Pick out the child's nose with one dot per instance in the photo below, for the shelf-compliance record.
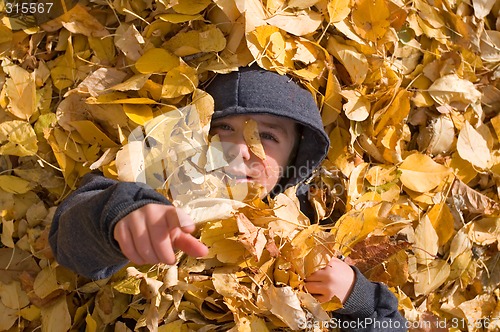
(239, 149)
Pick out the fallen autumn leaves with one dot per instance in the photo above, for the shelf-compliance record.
(408, 91)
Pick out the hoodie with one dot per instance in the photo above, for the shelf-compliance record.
(81, 234)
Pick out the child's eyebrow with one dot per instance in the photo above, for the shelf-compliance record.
(274, 126)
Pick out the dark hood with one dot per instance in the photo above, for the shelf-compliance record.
(253, 90)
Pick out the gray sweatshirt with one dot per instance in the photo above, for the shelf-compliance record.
(82, 229)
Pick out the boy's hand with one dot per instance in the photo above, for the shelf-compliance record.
(337, 278)
(150, 234)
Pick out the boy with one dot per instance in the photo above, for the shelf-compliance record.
(116, 222)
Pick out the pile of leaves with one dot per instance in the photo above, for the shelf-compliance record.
(408, 93)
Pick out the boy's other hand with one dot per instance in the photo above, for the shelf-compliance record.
(150, 234)
(336, 279)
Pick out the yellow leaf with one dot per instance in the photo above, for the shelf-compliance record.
(91, 324)
(69, 146)
(303, 242)
(356, 182)
(485, 231)
(357, 107)
(495, 122)
(184, 43)
(288, 209)
(254, 14)
(273, 6)
(473, 200)
(226, 283)
(204, 104)
(21, 91)
(420, 173)
(472, 147)
(478, 308)
(251, 323)
(5, 34)
(66, 164)
(443, 222)
(109, 304)
(252, 139)
(130, 285)
(179, 82)
(490, 45)
(332, 103)
(135, 82)
(208, 39)
(212, 39)
(100, 80)
(104, 49)
(140, 114)
(63, 72)
(302, 3)
(439, 136)
(426, 241)
(252, 237)
(7, 233)
(338, 152)
(463, 169)
(482, 8)
(429, 277)
(179, 18)
(380, 175)
(56, 316)
(354, 61)
(46, 282)
(268, 45)
(430, 14)
(397, 111)
(13, 296)
(15, 185)
(176, 326)
(191, 7)
(321, 253)
(17, 138)
(13, 262)
(111, 98)
(314, 307)
(8, 317)
(371, 19)
(353, 227)
(30, 312)
(430, 31)
(156, 60)
(460, 244)
(332, 305)
(92, 134)
(451, 88)
(284, 304)
(229, 251)
(6, 204)
(79, 21)
(298, 23)
(338, 10)
(215, 231)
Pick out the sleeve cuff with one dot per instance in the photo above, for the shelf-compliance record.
(360, 302)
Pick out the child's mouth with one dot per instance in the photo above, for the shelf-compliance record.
(239, 178)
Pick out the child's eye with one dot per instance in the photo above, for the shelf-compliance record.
(268, 136)
(223, 126)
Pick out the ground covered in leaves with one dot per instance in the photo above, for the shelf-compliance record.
(409, 92)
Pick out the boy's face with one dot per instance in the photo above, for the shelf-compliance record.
(278, 136)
